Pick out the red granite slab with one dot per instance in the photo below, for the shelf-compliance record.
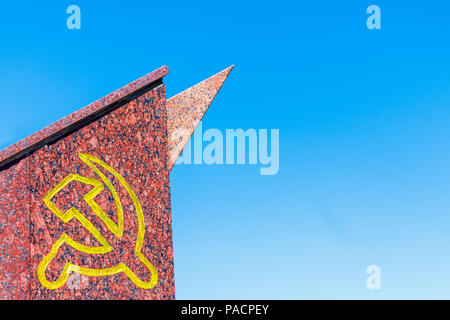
(14, 235)
(111, 157)
(132, 140)
(39, 138)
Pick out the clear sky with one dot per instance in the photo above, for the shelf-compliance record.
(364, 115)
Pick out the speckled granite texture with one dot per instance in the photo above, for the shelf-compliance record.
(186, 109)
(23, 145)
(87, 214)
(132, 140)
(15, 229)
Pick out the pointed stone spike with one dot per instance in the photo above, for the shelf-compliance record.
(186, 109)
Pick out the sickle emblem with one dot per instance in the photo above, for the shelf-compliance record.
(116, 229)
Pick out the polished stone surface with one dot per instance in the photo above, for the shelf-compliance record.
(87, 215)
(132, 140)
(186, 109)
(17, 148)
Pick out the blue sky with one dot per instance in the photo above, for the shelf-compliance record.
(364, 133)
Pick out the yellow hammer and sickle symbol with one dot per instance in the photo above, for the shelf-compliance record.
(116, 229)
